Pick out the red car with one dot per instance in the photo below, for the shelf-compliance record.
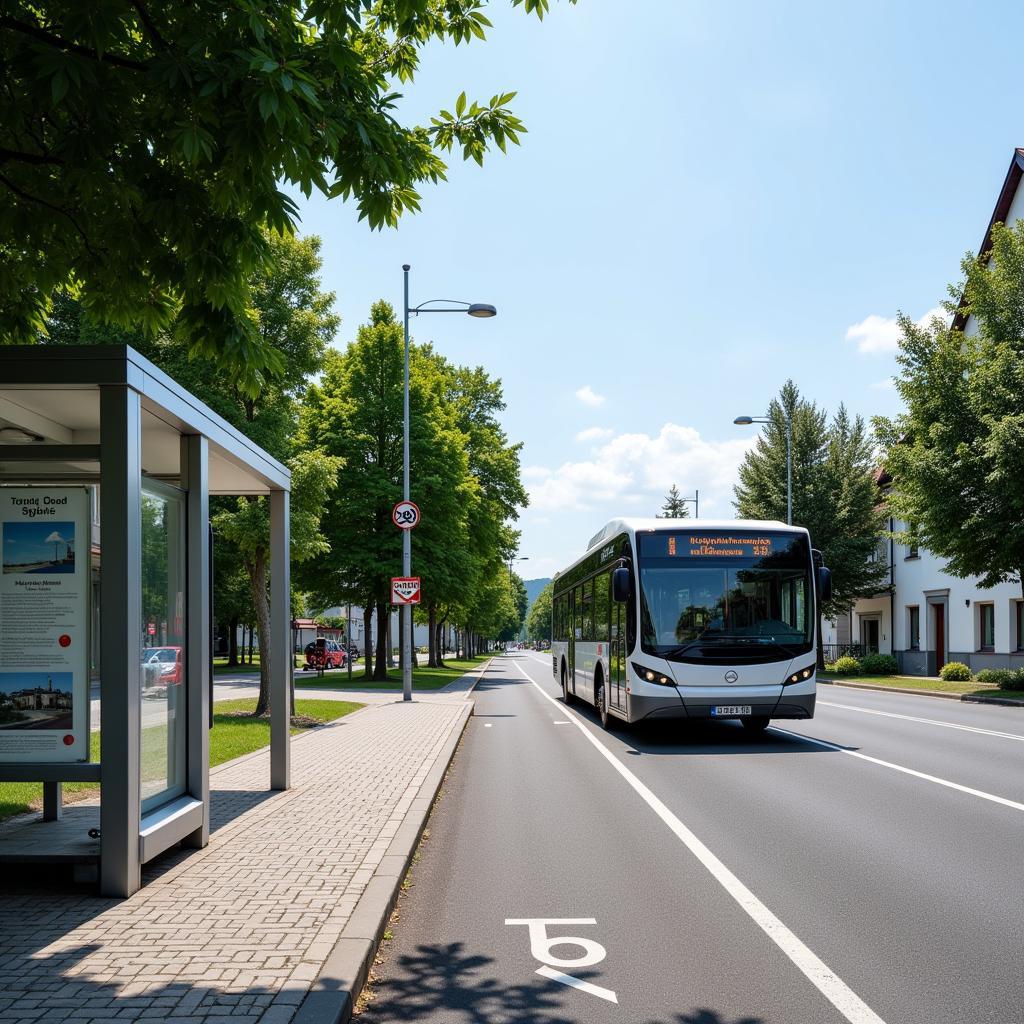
(324, 653)
(161, 666)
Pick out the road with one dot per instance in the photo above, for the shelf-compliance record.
(861, 867)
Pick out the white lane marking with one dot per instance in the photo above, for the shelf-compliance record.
(487, 725)
(583, 986)
(556, 721)
(824, 979)
(926, 721)
(906, 771)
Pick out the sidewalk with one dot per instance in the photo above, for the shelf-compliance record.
(293, 886)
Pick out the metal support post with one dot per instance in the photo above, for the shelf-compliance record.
(120, 638)
(406, 534)
(53, 801)
(789, 469)
(195, 481)
(280, 655)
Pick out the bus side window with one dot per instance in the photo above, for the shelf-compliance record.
(588, 610)
(601, 607)
(577, 613)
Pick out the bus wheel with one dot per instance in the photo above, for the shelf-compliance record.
(566, 695)
(601, 702)
(756, 726)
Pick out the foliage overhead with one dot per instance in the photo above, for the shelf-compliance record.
(144, 147)
(834, 492)
(538, 621)
(956, 456)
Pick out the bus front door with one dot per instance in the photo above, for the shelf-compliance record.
(617, 658)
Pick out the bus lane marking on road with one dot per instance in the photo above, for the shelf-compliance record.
(1015, 805)
(541, 944)
(926, 721)
(824, 979)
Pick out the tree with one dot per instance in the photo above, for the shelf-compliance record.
(956, 456)
(834, 492)
(355, 412)
(295, 319)
(538, 622)
(143, 148)
(675, 505)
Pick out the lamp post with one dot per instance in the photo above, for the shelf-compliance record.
(477, 309)
(745, 421)
(695, 502)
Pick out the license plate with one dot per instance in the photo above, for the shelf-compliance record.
(730, 710)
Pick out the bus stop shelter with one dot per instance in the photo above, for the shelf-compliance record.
(105, 425)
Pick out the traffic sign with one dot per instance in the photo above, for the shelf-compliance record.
(405, 515)
(405, 590)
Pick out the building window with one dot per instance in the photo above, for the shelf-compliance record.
(1018, 618)
(914, 627)
(986, 627)
(912, 546)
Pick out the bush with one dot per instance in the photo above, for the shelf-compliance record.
(955, 672)
(846, 666)
(1001, 677)
(879, 665)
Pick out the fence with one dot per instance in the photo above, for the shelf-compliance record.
(835, 651)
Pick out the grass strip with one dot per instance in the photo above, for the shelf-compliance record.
(234, 733)
(423, 678)
(914, 683)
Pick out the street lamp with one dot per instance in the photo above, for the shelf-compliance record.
(476, 309)
(745, 421)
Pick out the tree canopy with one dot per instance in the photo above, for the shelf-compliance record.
(675, 505)
(956, 456)
(834, 492)
(538, 621)
(145, 147)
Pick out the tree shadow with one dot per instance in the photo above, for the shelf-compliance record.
(445, 982)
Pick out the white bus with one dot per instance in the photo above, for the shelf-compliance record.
(679, 618)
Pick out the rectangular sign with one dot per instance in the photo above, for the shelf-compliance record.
(405, 590)
(44, 624)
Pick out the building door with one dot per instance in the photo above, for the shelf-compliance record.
(940, 636)
(869, 633)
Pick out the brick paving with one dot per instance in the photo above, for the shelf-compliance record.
(234, 933)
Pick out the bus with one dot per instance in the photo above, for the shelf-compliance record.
(691, 619)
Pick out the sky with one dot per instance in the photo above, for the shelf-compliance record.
(713, 197)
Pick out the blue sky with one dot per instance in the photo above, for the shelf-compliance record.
(713, 197)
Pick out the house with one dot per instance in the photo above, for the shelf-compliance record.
(928, 617)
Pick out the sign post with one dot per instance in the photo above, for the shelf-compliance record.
(406, 515)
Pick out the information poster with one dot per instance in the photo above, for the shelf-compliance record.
(44, 624)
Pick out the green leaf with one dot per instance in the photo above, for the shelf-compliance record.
(460, 104)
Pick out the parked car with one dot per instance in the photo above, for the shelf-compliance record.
(161, 666)
(324, 653)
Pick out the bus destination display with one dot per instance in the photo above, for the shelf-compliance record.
(703, 545)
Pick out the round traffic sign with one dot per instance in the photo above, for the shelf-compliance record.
(405, 515)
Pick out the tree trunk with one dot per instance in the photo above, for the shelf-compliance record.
(257, 569)
(401, 639)
(432, 636)
(233, 642)
(380, 673)
(368, 640)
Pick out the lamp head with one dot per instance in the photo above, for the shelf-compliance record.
(743, 421)
(481, 309)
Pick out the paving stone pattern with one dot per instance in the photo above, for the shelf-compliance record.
(236, 932)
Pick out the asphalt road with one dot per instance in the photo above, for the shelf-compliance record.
(860, 867)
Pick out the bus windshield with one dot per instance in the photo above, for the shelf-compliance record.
(711, 595)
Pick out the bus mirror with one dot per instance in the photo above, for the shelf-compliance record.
(620, 584)
(824, 583)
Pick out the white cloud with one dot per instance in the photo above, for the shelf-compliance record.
(54, 538)
(594, 434)
(634, 470)
(882, 333)
(588, 396)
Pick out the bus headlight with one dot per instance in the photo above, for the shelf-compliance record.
(801, 675)
(648, 675)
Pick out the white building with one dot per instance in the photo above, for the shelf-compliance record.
(928, 617)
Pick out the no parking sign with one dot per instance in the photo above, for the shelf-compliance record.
(405, 590)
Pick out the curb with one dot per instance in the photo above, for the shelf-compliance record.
(1006, 702)
(331, 997)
